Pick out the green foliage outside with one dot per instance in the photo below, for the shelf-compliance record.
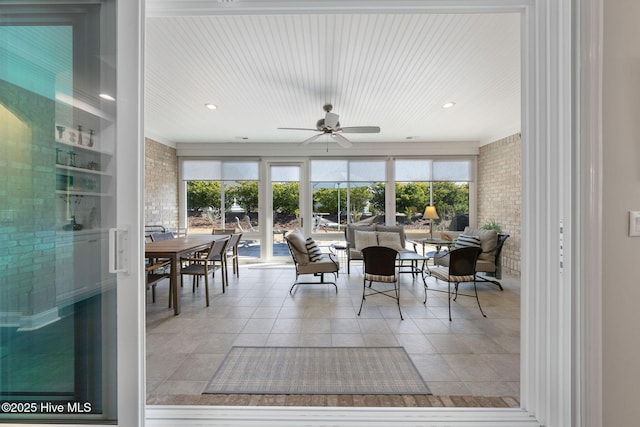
(245, 193)
(286, 197)
(411, 198)
(377, 197)
(326, 199)
(205, 194)
(449, 198)
(202, 194)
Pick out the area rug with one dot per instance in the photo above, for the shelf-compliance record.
(317, 370)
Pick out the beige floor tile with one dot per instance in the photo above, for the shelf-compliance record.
(471, 355)
(448, 388)
(181, 387)
(197, 366)
(493, 388)
(471, 367)
(347, 340)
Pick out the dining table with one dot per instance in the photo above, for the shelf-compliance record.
(174, 249)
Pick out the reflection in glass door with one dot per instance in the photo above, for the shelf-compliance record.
(57, 178)
(285, 204)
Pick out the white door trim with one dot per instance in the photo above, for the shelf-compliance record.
(551, 367)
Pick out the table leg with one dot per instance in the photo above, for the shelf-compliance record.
(175, 267)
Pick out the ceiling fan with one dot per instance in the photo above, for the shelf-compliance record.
(331, 126)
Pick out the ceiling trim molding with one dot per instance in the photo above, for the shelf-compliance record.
(161, 140)
(460, 148)
(171, 8)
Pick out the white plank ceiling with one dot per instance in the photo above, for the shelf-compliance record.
(393, 70)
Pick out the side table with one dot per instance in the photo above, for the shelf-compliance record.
(340, 250)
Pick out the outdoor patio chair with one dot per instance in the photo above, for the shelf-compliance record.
(198, 266)
(380, 266)
(154, 273)
(317, 263)
(164, 235)
(461, 268)
(489, 261)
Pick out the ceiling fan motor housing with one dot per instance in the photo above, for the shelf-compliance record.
(322, 126)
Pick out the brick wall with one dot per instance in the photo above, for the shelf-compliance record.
(499, 194)
(29, 253)
(160, 184)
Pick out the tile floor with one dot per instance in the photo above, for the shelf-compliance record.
(470, 356)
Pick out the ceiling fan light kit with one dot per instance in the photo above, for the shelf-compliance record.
(331, 126)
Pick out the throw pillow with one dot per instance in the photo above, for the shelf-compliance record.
(364, 239)
(390, 240)
(314, 251)
(466, 241)
(297, 242)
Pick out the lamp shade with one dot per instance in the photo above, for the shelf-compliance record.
(430, 213)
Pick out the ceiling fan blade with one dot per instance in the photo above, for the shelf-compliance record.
(360, 129)
(341, 140)
(313, 138)
(331, 120)
(315, 130)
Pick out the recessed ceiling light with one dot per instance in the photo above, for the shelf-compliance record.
(210, 106)
(107, 97)
(448, 104)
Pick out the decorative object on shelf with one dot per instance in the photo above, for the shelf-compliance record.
(60, 134)
(91, 134)
(73, 225)
(64, 182)
(430, 214)
(58, 159)
(79, 134)
(72, 138)
(93, 166)
(72, 158)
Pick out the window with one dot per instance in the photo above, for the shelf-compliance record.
(440, 183)
(221, 194)
(347, 191)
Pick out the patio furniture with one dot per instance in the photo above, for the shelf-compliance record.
(173, 249)
(461, 268)
(380, 266)
(203, 266)
(356, 238)
(315, 263)
(489, 261)
(154, 273)
(163, 235)
(232, 248)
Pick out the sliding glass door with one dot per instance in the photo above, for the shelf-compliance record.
(63, 251)
(284, 189)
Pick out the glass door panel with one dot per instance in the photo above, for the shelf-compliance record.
(58, 336)
(285, 203)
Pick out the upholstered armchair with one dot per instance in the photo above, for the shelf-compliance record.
(489, 261)
(309, 260)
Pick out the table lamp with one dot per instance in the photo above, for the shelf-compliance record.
(430, 214)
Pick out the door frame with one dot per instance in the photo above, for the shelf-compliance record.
(266, 189)
(555, 382)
